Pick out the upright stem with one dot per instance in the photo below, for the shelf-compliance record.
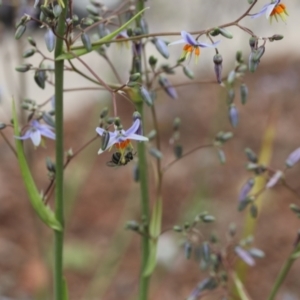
(283, 273)
(141, 149)
(59, 149)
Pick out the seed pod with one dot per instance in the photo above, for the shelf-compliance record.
(226, 33)
(243, 93)
(20, 31)
(161, 47)
(146, 96)
(50, 40)
(86, 41)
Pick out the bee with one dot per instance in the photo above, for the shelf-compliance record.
(118, 160)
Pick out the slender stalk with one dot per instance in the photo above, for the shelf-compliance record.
(283, 273)
(59, 149)
(141, 149)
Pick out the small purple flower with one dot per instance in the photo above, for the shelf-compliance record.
(161, 47)
(36, 131)
(167, 86)
(121, 138)
(191, 45)
(274, 179)
(244, 255)
(233, 115)
(293, 158)
(273, 9)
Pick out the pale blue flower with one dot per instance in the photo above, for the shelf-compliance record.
(273, 9)
(121, 138)
(36, 131)
(191, 45)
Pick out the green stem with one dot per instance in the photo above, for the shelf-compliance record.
(283, 273)
(141, 149)
(59, 150)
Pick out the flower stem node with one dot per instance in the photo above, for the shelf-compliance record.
(132, 225)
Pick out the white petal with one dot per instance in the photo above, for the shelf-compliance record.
(35, 137)
(177, 42)
(138, 137)
(270, 9)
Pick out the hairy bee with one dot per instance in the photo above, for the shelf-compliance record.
(118, 160)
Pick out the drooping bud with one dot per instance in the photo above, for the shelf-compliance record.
(253, 42)
(167, 69)
(259, 53)
(218, 59)
(50, 165)
(28, 53)
(188, 72)
(86, 41)
(188, 249)
(231, 77)
(92, 10)
(156, 153)
(143, 26)
(146, 96)
(233, 115)
(31, 41)
(161, 47)
(48, 119)
(40, 78)
(244, 203)
(251, 155)
(246, 188)
(151, 135)
(50, 40)
(137, 116)
(135, 77)
(252, 65)
(295, 208)
(278, 175)
(166, 85)
(293, 158)
(244, 255)
(243, 93)
(256, 253)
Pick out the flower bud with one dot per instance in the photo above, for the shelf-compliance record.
(231, 77)
(50, 40)
(48, 119)
(40, 78)
(104, 112)
(178, 151)
(259, 53)
(28, 53)
(188, 249)
(256, 253)
(92, 10)
(243, 93)
(252, 63)
(215, 32)
(152, 61)
(246, 188)
(156, 153)
(20, 31)
(2, 125)
(293, 158)
(166, 85)
(230, 96)
(143, 26)
(86, 41)
(225, 33)
(222, 156)
(161, 47)
(253, 211)
(239, 57)
(50, 165)
(276, 37)
(31, 41)
(47, 12)
(251, 155)
(135, 77)
(151, 135)
(23, 68)
(244, 255)
(278, 175)
(57, 10)
(177, 228)
(146, 96)
(132, 225)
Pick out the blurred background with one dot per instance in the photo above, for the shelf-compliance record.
(101, 257)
